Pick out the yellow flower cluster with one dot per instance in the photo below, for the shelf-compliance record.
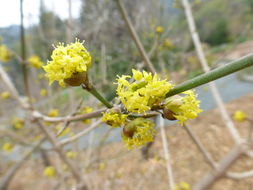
(53, 113)
(183, 108)
(239, 116)
(18, 123)
(101, 166)
(85, 110)
(5, 54)
(168, 43)
(114, 119)
(159, 29)
(5, 95)
(138, 132)
(43, 92)
(49, 171)
(67, 61)
(71, 154)
(7, 147)
(145, 92)
(35, 61)
(182, 186)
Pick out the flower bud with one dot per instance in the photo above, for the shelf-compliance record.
(168, 114)
(138, 132)
(182, 108)
(129, 130)
(76, 79)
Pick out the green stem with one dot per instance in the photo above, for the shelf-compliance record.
(222, 71)
(91, 89)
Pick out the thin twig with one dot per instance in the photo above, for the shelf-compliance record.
(166, 153)
(60, 152)
(82, 133)
(5, 181)
(94, 114)
(238, 176)
(66, 123)
(23, 53)
(135, 37)
(200, 146)
(11, 88)
(200, 52)
(208, 180)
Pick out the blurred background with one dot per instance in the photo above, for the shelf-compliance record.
(226, 32)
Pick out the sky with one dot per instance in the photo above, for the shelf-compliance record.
(10, 10)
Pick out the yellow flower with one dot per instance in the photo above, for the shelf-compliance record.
(114, 119)
(5, 54)
(53, 113)
(7, 147)
(239, 116)
(35, 61)
(138, 132)
(5, 95)
(49, 171)
(182, 186)
(67, 61)
(145, 92)
(85, 110)
(101, 166)
(159, 29)
(71, 154)
(18, 123)
(183, 108)
(43, 92)
(168, 43)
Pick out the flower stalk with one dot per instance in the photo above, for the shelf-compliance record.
(91, 89)
(217, 73)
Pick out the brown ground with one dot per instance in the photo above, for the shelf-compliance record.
(128, 171)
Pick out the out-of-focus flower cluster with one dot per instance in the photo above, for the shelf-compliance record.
(17, 123)
(5, 54)
(5, 95)
(85, 110)
(182, 186)
(239, 116)
(35, 61)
